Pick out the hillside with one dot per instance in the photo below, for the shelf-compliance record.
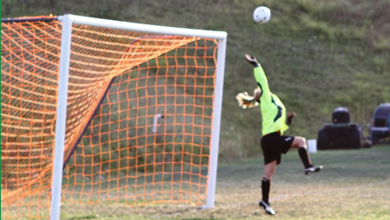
(318, 55)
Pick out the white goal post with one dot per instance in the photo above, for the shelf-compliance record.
(67, 21)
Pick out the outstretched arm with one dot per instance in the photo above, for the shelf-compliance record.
(260, 78)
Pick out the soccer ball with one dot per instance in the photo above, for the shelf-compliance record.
(261, 14)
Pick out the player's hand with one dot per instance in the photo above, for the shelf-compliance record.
(290, 117)
(246, 101)
(252, 60)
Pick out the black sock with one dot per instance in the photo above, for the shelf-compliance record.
(303, 154)
(265, 187)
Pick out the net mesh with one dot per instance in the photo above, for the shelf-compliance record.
(139, 116)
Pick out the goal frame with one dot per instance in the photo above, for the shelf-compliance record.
(67, 21)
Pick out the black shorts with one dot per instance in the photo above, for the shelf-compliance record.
(274, 145)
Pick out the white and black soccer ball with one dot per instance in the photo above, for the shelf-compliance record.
(262, 15)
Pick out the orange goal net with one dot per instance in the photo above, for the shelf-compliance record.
(139, 116)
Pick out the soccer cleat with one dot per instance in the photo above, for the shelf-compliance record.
(266, 207)
(313, 169)
(252, 60)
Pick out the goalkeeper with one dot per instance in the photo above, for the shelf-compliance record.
(274, 123)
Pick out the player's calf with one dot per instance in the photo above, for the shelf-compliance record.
(304, 155)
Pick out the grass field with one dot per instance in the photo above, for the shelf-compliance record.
(355, 184)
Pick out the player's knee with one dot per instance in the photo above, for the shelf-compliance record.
(268, 174)
(267, 177)
(304, 142)
(301, 142)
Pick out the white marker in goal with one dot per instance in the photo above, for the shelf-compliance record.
(154, 129)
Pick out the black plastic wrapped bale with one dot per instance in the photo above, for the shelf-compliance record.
(341, 134)
(340, 115)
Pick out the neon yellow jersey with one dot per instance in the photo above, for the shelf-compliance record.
(273, 112)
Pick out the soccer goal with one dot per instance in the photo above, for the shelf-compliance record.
(97, 111)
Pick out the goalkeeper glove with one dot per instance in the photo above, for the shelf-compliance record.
(252, 60)
(246, 101)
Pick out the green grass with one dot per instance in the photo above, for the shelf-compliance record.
(355, 184)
